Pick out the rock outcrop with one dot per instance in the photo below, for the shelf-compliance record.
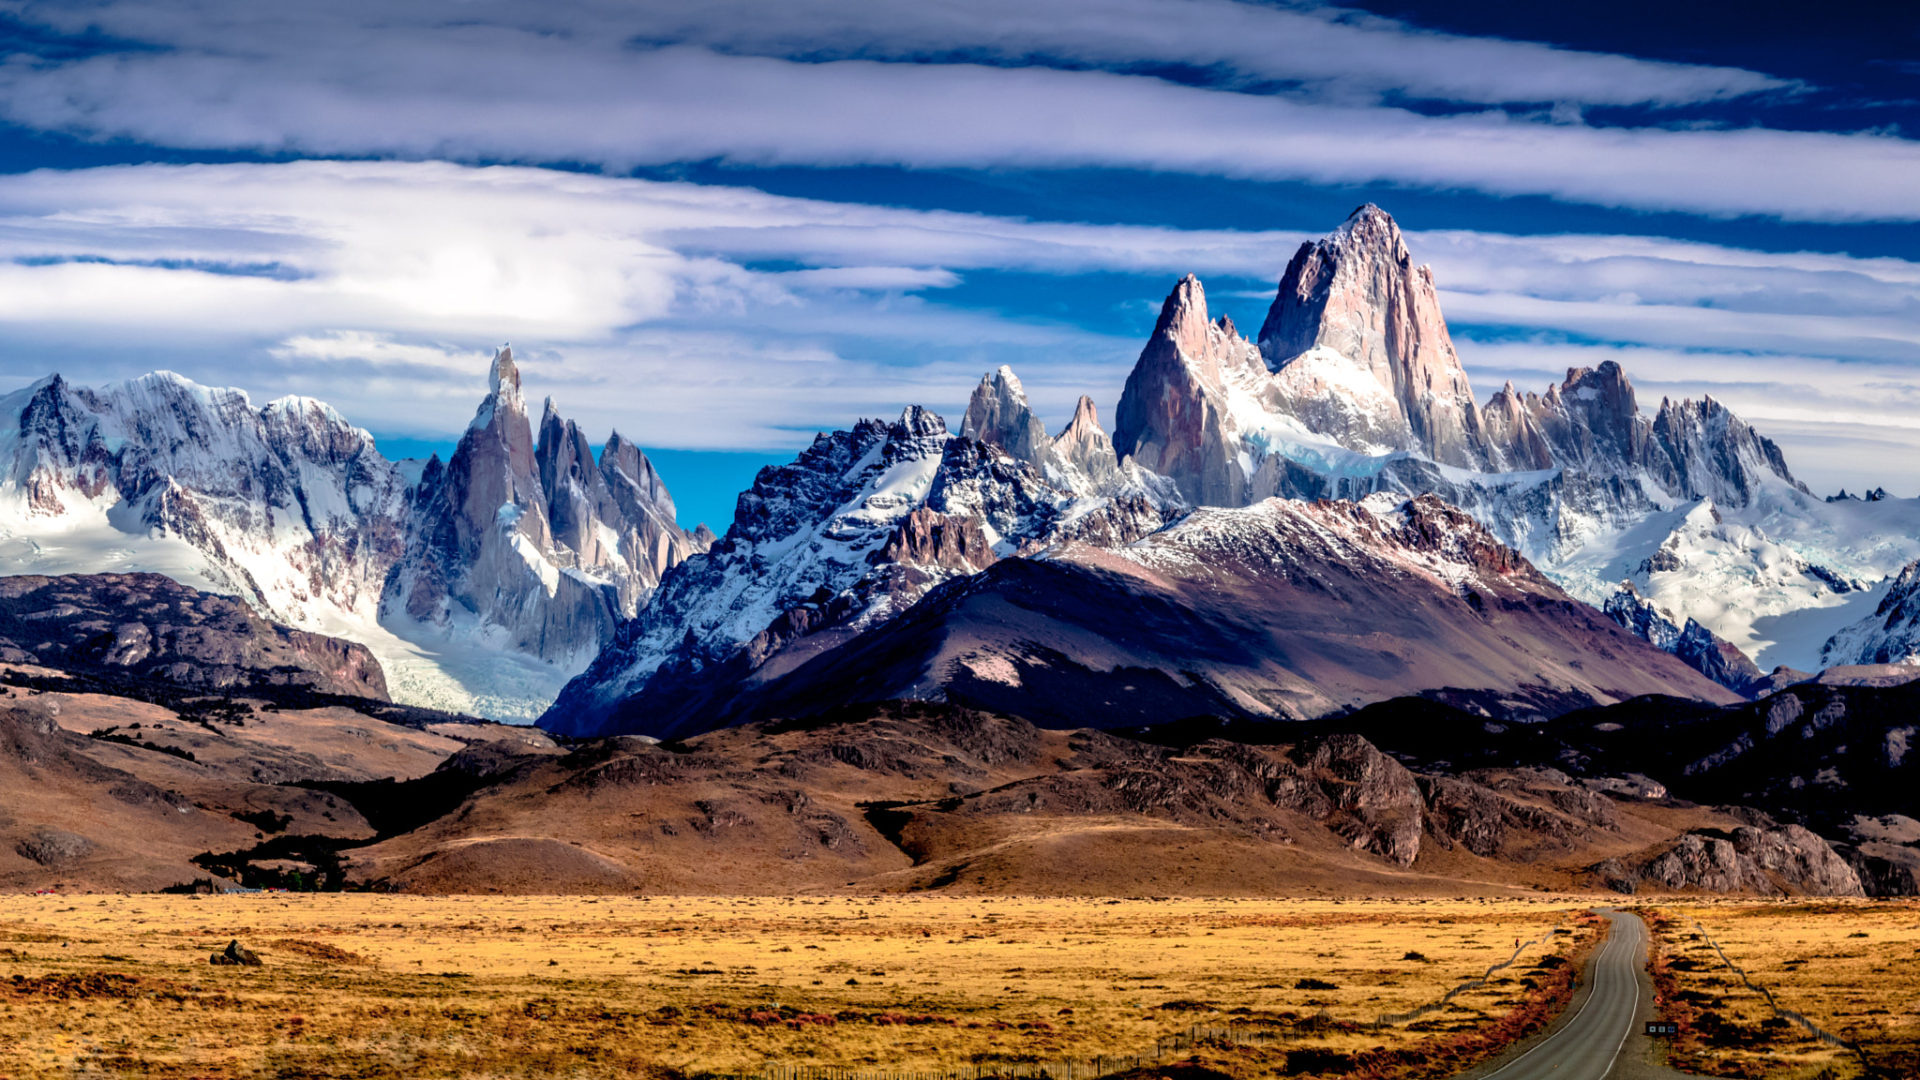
(1787, 860)
(147, 626)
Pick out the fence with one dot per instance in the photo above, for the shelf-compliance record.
(1471, 984)
(1801, 1019)
(1090, 1068)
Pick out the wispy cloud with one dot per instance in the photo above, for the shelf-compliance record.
(817, 83)
(502, 46)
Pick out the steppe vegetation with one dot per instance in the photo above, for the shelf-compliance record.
(367, 985)
(1850, 967)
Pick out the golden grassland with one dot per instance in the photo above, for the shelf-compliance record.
(1852, 967)
(366, 985)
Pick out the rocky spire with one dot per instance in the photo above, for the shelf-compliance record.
(577, 498)
(1514, 439)
(644, 514)
(1356, 297)
(494, 466)
(1173, 416)
(1083, 445)
(999, 415)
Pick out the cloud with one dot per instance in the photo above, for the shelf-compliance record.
(600, 84)
(702, 316)
(1326, 51)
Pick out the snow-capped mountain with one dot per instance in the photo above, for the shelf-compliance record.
(1697, 646)
(856, 530)
(536, 542)
(1354, 386)
(1283, 610)
(1891, 635)
(288, 506)
(476, 588)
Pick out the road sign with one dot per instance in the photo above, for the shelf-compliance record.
(1662, 1027)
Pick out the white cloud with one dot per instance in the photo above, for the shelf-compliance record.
(501, 46)
(382, 287)
(569, 83)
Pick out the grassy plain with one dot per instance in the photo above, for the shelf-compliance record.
(366, 985)
(1852, 967)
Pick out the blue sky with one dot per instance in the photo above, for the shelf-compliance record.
(721, 227)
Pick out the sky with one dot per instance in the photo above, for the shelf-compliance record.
(722, 227)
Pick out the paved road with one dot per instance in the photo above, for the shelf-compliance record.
(1589, 1045)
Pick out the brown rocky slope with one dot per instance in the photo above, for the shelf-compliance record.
(150, 627)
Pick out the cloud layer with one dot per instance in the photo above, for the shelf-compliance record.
(701, 316)
(1287, 94)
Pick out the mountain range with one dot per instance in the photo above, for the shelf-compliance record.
(481, 583)
(1338, 463)
(1311, 617)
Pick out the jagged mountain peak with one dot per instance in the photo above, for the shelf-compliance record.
(1371, 227)
(1183, 317)
(1351, 310)
(504, 372)
(998, 414)
(1086, 419)
(919, 422)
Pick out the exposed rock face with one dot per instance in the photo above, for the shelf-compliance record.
(1884, 869)
(151, 627)
(930, 538)
(54, 848)
(1353, 308)
(1376, 804)
(482, 546)
(1522, 814)
(1788, 860)
(1084, 446)
(998, 415)
(1174, 416)
(1694, 644)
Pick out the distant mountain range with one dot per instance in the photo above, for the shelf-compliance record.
(481, 583)
(1422, 542)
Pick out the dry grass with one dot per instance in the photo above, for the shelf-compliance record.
(1853, 967)
(363, 985)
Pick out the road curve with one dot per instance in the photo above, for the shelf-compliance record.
(1588, 1045)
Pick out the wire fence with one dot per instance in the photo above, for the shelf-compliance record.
(1796, 1017)
(1446, 999)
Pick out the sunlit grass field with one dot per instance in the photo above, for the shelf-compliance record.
(1852, 967)
(365, 985)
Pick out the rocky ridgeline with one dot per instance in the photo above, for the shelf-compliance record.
(145, 626)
